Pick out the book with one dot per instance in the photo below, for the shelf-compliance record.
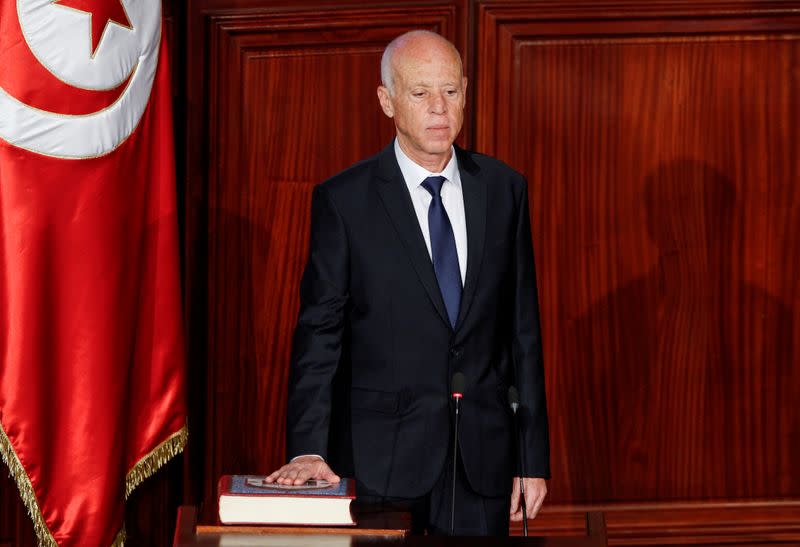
(249, 499)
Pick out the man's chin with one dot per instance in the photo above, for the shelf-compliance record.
(438, 147)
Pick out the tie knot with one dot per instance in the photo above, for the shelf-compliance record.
(434, 185)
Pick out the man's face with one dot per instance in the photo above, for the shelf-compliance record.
(428, 100)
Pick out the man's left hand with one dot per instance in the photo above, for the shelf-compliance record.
(535, 491)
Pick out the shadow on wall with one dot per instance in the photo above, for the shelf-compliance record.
(685, 373)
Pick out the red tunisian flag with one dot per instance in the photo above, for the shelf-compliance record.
(92, 396)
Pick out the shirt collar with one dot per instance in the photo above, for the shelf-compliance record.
(414, 174)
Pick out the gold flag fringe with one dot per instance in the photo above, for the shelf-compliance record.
(43, 535)
(149, 464)
(119, 541)
(144, 468)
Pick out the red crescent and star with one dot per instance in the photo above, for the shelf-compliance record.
(102, 13)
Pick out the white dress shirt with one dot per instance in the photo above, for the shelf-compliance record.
(452, 199)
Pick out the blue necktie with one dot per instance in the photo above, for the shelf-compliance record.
(443, 249)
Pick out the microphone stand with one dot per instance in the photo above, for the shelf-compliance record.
(457, 397)
(458, 393)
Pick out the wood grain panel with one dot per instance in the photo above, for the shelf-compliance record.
(661, 147)
(288, 100)
(697, 523)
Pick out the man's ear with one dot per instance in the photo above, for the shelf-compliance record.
(386, 101)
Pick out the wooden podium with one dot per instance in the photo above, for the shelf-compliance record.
(374, 528)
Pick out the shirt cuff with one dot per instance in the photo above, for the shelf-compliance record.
(303, 455)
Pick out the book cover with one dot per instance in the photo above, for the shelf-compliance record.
(254, 485)
(249, 499)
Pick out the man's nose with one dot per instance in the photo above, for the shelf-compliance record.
(438, 104)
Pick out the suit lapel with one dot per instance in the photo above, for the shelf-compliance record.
(393, 192)
(474, 189)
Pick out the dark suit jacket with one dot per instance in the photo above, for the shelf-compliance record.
(373, 335)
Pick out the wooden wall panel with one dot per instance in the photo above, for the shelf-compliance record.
(289, 100)
(742, 523)
(661, 146)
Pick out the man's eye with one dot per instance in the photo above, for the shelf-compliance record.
(418, 93)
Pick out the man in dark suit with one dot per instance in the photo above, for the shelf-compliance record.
(421, 265)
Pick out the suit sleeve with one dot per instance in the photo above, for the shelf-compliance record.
(317, 343)
(527, 351)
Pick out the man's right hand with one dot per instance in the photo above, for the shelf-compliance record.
(299, 470)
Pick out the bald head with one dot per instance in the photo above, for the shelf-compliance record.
(423, 92)
(414, 44)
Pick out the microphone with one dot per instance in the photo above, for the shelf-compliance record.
(513, 401)
(457, 388)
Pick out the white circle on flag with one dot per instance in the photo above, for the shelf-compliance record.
(59, 38)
